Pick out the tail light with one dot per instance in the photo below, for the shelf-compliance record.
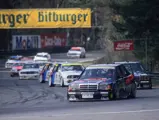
(129, 79)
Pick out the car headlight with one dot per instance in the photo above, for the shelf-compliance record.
(73, 87)
(14, 69)
(104, 87)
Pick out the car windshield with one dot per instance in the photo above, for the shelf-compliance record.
(97, 73)
(137, 67)
(128, 67)
(75, 50)
(18, 64)
(72, 68)
(41, 56)
(14, 58)
(27, 66)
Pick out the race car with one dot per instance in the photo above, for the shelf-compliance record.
(142, 77)
(27, 59)
(16, 68)
(64, 73)
(102, 82)
(42, 63)
(12, 60)
(77, 52)
(43, 56)
(44, 72)
(30, 71)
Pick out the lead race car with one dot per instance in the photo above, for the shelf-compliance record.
(16, 68)
(64, 73)
(103, 81)
(142, 77)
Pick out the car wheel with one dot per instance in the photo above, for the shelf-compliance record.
(12, 75)
(150, 86)
(50, 82)
(61, 82)
(80, 56)
(111, 96)
(41, 79)
(133, 91)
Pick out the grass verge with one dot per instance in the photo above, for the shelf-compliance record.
(97, 61)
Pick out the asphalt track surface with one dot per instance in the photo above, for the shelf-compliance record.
(30, 100)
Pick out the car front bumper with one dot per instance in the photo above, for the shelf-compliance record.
(29, 76)
(77, 96)
(73, 56)
(145, 83)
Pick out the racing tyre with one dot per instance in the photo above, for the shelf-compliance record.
(50, 83)
(150, 86)
(61, 82)
(41, 79)
(12, 75)
(133, 91)
(111, 96)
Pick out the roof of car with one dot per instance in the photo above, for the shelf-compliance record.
(64, 64)
(111, 66)
(76, 48)
(31, 62)
(16, 56)
(42, 53)
(126, 62)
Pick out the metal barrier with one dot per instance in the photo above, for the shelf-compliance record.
(154, 75)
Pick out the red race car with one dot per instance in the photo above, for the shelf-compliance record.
(16, 68)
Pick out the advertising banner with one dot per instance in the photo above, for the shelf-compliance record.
(125, 45)
(25, 42)
(45, 18)
(51, 40)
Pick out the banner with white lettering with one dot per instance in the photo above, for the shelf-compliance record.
(55, 39)
(125, 45)
(26, 42)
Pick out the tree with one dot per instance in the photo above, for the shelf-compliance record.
(140, 20)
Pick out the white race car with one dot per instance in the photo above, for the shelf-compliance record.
(76, 52)
(65, 73)
(29, 71)
(43, 56)
(12, 60)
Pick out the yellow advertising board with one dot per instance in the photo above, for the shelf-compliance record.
(45, 18)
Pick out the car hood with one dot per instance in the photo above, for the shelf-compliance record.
(40, 58)
(77, 52)
(17, 67)
(66, 73)
(31, 69)
(93, 81)
(138, 73)
(11, 61)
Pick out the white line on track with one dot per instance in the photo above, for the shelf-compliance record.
(92, 113)
(5, 71)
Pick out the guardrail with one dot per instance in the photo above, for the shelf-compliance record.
(34, 51)
(154, 75)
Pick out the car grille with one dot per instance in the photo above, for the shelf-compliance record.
(73, 76)
(144, 77)
(29, 72)
(9, 64)
(90, 88)
(72, 54)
